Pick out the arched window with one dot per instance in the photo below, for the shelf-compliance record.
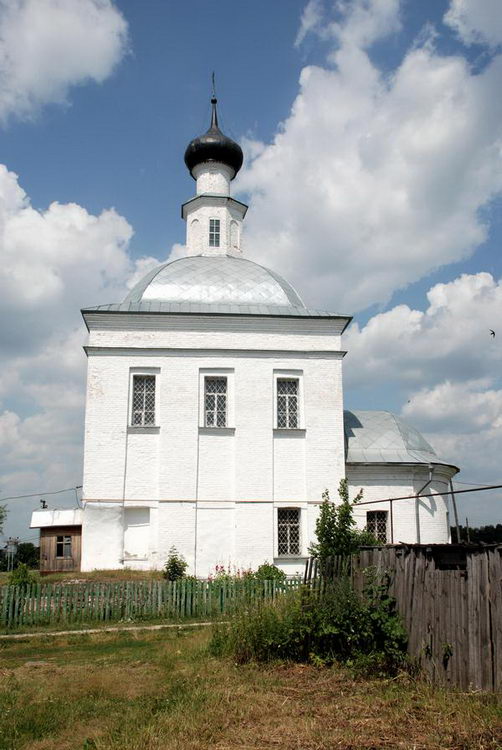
(234, 234)
(195, 235)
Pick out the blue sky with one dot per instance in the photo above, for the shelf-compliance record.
(372, 132)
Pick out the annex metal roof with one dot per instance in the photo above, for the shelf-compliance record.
(382, 437)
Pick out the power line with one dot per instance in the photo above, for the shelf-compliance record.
(471, 484)
(26, 539)
(431, 494)
(40, 494)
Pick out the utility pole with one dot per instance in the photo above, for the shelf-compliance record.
(12, 543)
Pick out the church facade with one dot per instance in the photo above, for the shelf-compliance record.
(214, 413)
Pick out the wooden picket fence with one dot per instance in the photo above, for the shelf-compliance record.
(450, 600)
(63, 603)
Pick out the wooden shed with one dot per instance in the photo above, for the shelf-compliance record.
(60, 548)
(60, 539)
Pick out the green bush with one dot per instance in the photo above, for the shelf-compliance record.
(336, 530)
(175, 567)
(22, 576)
(361, 630)
(268, 572)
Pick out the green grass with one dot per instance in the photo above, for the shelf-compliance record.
(163, 691)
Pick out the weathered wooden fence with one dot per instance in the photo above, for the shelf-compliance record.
(450, 599)
(63, 603)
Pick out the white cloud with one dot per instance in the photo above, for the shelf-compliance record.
(463, 421)
(476, 21)
(468, 407)
(51, 259)
(361, 22)
(375, 179)
(310, 21)
(450, 340)
(47, 46)
(355, 23)
(53, 263)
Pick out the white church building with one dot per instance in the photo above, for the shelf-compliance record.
(214, 415)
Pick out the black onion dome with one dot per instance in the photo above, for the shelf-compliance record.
(214, 146)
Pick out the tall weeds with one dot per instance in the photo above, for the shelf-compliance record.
(339, 625)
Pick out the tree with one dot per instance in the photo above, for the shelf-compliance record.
(28, 554)
(3, 514)
(335, 527)
(483, 534)
(175, 567)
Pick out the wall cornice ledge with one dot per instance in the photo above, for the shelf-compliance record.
(174, 352)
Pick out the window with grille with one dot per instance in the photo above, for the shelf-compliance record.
(143, 400)
(376, 524)
(63, 546)
(215, 402)
(214, 232)
(287, 403)
(288, 531)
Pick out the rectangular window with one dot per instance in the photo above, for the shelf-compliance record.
(287, 403)
(214, 232)
(215, 401)
(376, 524)
(143, 400)
(288, 531)
(63, 546)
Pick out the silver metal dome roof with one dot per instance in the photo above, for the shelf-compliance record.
(215, 280)
(382, 437)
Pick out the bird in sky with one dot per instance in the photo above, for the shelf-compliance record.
(492, 333)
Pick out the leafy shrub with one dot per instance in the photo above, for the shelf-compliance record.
(335, 527)
(175, 567)
(361, 630)
(268, 572)
(22, 576)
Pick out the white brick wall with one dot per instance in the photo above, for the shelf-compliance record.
(180, 461)
(230, 480)
(425, 522)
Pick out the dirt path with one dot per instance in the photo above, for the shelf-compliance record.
(114, 629)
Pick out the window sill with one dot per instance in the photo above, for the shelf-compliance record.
(289, 430)
(216, 430)
(290, 557)
(148, 429)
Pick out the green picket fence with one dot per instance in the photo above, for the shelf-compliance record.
(64, 603)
